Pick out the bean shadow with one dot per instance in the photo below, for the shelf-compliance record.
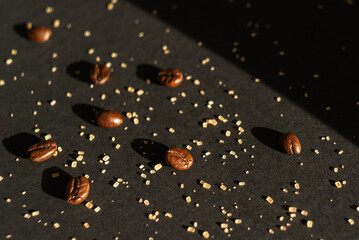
(80, 70)
(86, 112)
(146, 71)
(267, 136)
(21, 29)
(19, 143)
(54, 181)
(152, 150)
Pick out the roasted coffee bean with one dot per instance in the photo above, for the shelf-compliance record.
(40, 34)
(170, 77)
(109, 119)
(179, 158)
(289, 143)
(100, 74)
(42, 151)
(77, 190)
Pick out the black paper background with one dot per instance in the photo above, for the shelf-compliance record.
(121, 214)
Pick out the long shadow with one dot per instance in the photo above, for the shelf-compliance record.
(267, 136)
(80, 70)
(54, 181)
(21, 30)
(301, 40)
(86, 112)
(19, 143)
(152, 150)
(146, 71)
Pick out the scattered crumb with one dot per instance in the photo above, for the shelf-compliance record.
(309, 224)
(269, 200)
(56, 225)
(351, 221)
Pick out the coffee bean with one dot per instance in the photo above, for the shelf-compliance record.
(170, 77)
(100, 74)
(179, 158)
(42, 151)
(109, 119)
(289, 143)
(77, 190)
(40, 34)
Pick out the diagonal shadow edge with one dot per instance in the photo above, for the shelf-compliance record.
(315, 61)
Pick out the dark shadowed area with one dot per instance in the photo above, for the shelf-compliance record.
(19, 143)
(54, 182)
(305, 50)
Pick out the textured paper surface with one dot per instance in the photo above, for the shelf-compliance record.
(121, 214)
